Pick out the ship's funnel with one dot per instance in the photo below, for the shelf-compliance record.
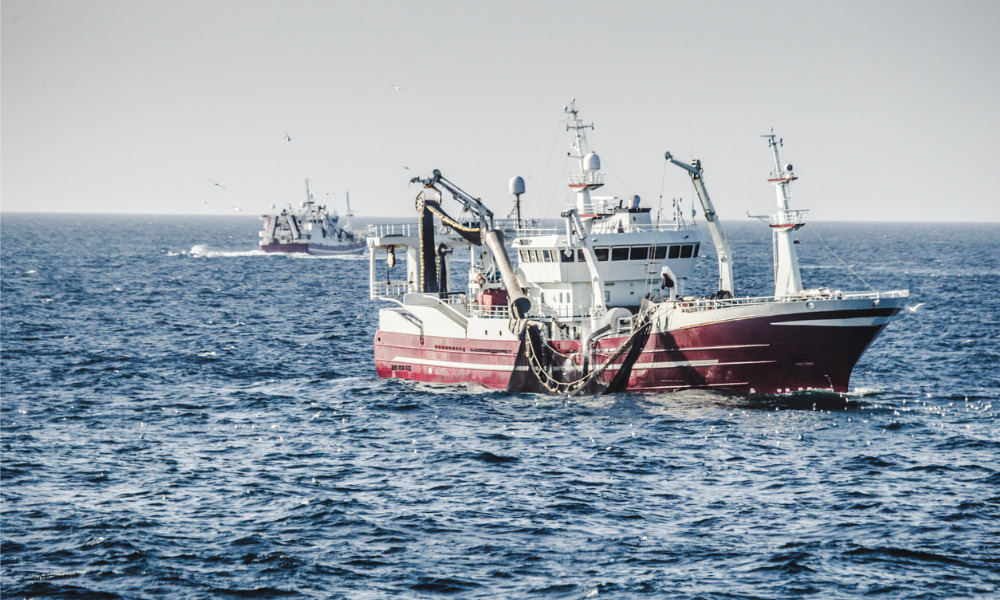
(519, 303)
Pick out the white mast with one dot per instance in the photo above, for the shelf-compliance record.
(787, 278)
(349, 214)
(589, 177)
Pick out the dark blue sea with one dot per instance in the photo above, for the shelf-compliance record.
(185, 417)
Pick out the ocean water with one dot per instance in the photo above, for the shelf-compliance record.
(184, 417)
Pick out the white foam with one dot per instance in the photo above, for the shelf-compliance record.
(206, 251)
(862, 392)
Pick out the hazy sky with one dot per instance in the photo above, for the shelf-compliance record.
(889, 110)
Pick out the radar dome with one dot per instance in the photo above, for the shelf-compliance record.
(517, 185)
(592, 162)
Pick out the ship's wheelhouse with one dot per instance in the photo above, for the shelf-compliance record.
(630, 266)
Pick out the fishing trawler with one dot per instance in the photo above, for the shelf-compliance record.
(599, 305)
(311, 229)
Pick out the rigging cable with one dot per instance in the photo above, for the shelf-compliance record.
(605, 164)
(545, 175)
(837, 256)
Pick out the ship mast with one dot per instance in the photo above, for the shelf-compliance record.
(787, 277)
(589, 177)
(349, 214)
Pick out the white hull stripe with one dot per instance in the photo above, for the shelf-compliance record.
(641, 366)
(689, 386)
(853, 322)
(702, 349)
(637, 367)
(676, 363)
(450, 364)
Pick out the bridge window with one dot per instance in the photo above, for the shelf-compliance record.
(524, 256)
(686, 250)
(640, 252)
(580, 257)
(696, 246)
(675, 251)
(659, 252)
(619, 253)
(566, 255)
(546, 256)
(601, 253)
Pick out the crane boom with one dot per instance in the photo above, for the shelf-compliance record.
(718, 237)
(483, 233)
(473, 205)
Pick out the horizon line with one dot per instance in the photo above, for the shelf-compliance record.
(357, 216)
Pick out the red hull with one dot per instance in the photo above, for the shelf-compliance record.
(444, 360)
(765, 354)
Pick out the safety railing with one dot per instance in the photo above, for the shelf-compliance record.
(586, 179)
(393, 229)
(538, 232)
(490, 312)
(789, 218)
(612, 227)
(565, 311)
(391, 289)
(701, 304)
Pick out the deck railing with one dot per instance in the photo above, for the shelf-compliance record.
(606, 228)
(508, 226)
(701, 304)
(391, 289)
(789, 218)
(393, 229)
(492, 312)
(609, 227)
(527, 232)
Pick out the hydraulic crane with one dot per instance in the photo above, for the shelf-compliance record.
(726, 287)
(483, 233)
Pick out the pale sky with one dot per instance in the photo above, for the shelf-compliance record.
(890, 110)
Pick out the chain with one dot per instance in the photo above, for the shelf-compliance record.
(559, 387)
